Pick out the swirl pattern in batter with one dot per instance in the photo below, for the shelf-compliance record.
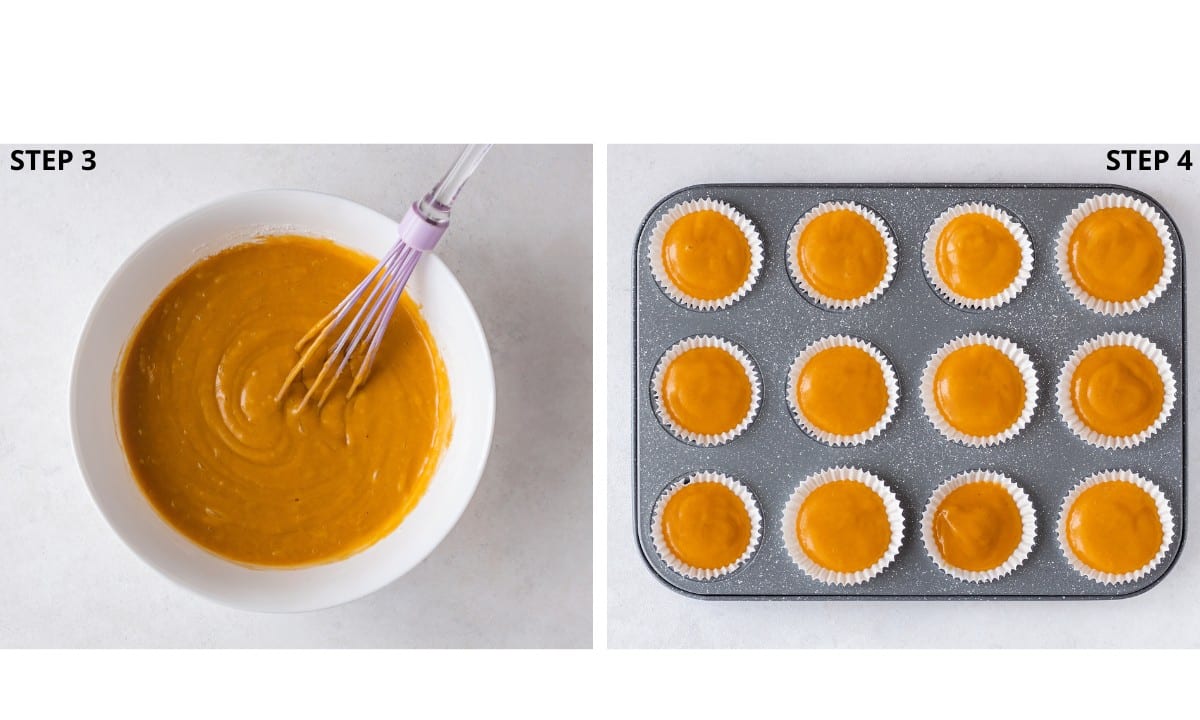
(258, 482)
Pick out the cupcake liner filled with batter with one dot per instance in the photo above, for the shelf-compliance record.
(1116, 390)
(1115, 254)
(705, 254)
(842, 390)
(978, 526)
(842, 526)
(977, 256)
(706, 390)
(841, 255)
(706, 525)
(979, 390)
(1115, 527)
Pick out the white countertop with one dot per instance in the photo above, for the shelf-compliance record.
(644, 613)
(514, 572)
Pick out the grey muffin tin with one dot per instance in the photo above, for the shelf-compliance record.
(774, 322)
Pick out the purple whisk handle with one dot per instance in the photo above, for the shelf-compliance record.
(419, 233)
(360, 320)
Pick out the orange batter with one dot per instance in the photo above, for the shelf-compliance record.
(977, 526)
(706, 525)
(250, 480)
(1114, 527)
(977, 257)
(841, 255)
(1116, 254)
(1117, 391)
(843, 526)
(706, 255)
(979, 390)
(706, 391)
(841, 390)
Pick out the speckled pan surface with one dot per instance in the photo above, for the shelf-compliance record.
(774, 322)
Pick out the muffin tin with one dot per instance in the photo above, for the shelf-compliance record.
(775, 321)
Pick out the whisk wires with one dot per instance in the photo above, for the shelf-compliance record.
(362, 318)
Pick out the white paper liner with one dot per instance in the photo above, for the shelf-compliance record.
(1066, 408)
(889, 379)
(798, 276)
(1101, 202)
(659, 271)
(791, 511)
(1024, 507)
(678, 565)
(929, 256)
(1164, 517)
(1013, 352)
(691, 343)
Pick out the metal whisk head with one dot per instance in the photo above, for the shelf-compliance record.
(361, 318)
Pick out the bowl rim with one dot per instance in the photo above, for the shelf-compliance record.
(487, 402)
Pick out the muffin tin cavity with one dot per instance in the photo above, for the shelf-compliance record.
(907, 323)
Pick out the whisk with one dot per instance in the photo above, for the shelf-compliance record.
(363, 315)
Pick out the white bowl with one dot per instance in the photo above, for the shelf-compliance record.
(129, 294)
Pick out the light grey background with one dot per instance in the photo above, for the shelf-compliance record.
(644, 613)
(514, 572)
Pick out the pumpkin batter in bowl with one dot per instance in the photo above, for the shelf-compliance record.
(259, 483)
